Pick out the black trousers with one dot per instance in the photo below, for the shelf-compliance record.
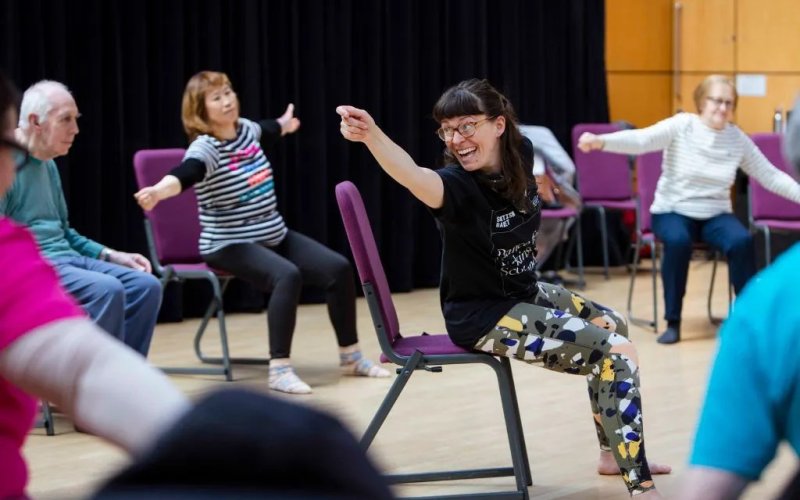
(282, 271)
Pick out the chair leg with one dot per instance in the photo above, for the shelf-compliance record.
(767, 246)
(515, 408)
(225, 360)
(570, 247)
(603, 238)
(654, 274)
(47, 419)
(520, 430)
(634, 269)
(215, 308)
(520, 467)
(391, 398)
(714, 320)
(579, 242)
(516, 439)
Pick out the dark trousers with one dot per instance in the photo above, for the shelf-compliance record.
(282, 271)
(677, 234)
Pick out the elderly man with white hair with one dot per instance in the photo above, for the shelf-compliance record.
(115, 288)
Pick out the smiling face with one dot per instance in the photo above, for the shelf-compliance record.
(474, 140)
(222, 108)
(718, 105)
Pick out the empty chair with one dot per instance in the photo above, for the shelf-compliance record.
(424, 352)
(603, 180)
(770, 213)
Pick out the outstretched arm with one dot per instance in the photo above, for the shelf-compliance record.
(425, 184)
(106, 387)
(148, 197)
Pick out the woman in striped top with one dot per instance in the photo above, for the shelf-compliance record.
(242, 231)
(692, 201)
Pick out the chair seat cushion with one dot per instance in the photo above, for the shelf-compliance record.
(613, 204)
(427, 344)
(559, 213)
(785, 225)
(196, 267)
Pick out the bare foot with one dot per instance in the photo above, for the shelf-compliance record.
(607, 466)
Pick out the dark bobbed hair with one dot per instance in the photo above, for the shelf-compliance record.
(479, 97)
(9, 97)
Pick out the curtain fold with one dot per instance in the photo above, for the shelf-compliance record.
(127, 63)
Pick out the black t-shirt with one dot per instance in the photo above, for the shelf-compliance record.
(488, 254)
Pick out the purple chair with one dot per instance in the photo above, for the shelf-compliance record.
(424, 352)
(565, 215)
(648, 171)
(769, 212)
(173, 231)
(603, 179)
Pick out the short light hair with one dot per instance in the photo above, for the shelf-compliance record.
(193, 108)
(701, 91)
(37, 100)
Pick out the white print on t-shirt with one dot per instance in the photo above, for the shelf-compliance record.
(517, 259)
(503, 221)
(513, 248)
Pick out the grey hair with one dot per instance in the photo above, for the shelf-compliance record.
(37, 101)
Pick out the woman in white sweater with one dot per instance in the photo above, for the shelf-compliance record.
(692, 201)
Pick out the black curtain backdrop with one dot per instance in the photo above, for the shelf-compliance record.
(127, 63)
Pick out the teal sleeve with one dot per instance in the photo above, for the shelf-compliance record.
(737, 431)
(81, 244)
(7, 202)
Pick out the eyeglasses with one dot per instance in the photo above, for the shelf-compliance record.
(466, 129)
(718, 101)
(18, 152)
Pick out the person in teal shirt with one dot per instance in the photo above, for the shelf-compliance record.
(115, 288)
(753, 398)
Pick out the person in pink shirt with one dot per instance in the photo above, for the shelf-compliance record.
(50, 349)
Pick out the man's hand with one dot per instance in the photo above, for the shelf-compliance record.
(132, 260)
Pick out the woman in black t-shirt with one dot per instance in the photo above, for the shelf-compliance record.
(488, 210)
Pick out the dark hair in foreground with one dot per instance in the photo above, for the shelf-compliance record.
(9, 95)
(477, 97)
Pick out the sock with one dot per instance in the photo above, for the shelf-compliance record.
(283, 378)
(354, 363)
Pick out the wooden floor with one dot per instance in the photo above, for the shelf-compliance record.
(454, 415)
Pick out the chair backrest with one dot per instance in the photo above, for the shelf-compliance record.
(601, 175)
(365, 253)
(174, 222)
(648, 170)
(765, 204)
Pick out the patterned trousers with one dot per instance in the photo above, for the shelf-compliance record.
(570, 334)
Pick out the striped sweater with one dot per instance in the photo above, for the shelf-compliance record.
(700, 164)
(236, 198)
